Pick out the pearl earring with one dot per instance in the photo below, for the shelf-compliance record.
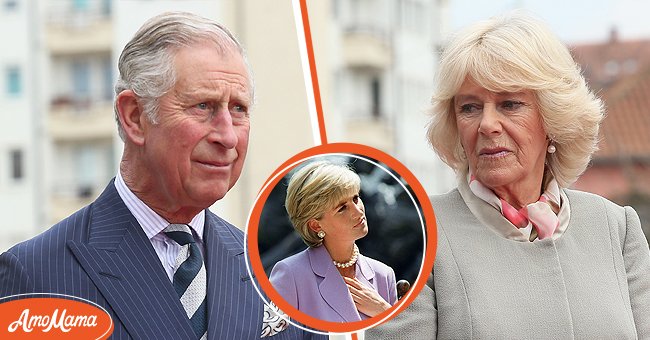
(551, 148)
(321, 234)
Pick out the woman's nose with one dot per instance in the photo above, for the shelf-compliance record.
(490, 121)
(358, 208)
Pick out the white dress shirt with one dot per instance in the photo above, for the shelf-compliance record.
(153, 224)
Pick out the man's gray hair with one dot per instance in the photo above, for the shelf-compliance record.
(146, 65)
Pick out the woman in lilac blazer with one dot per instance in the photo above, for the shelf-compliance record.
(331, 280)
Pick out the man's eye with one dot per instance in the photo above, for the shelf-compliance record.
(203, 106)
(239, 110)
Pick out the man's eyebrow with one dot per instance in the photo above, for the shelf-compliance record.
(199, 94)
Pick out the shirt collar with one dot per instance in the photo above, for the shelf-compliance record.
(152, 223)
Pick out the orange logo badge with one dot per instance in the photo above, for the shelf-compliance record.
(64, 317)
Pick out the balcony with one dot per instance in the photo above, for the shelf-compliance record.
(78, 32)
(364, 49)
(71, 121)
(366, 37)
(375, 132)
(66, 199)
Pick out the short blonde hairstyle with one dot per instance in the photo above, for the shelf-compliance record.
(315, 188)
(510, 53)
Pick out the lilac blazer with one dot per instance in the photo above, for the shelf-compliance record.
(310, 282)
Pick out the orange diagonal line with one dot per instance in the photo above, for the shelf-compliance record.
(312, 69)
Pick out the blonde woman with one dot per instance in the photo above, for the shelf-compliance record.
(331, 280)
(520, 256)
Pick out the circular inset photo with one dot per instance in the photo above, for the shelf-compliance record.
(339, 241)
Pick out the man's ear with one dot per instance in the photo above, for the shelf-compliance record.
(131, 116)
(314, 225)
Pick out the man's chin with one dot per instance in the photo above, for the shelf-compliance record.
(206, 198)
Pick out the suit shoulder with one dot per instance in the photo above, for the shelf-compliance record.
(582, 198)
(226, 226)
(445, 199)
(295, 260)
(74, 227)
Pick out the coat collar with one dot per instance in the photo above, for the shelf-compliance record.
(332, 288)
(115, 239)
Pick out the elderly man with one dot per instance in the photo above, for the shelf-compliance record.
(148, 250)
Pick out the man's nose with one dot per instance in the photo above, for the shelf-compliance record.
(490, 121)
(223, 130)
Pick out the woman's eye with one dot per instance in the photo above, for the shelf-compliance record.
(355, 199)
(468, 108)
(512, 105)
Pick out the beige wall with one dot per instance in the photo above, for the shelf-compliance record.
(280, 119)
(325, 53)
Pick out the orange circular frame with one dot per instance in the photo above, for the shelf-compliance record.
(253, 260)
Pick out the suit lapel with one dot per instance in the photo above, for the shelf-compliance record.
(364, 272)
(333, 289)
(123, 265)
(234, 308)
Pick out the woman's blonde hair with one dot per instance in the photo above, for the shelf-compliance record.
(315, 188)
(510, 53)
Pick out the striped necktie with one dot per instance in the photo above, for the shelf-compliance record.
(189, 277)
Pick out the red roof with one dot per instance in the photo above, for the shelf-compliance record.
(625, 132)
(620, 73)
(605, 63)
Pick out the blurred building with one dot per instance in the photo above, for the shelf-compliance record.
(21, 117)
(620, 73)
(376, 61)
(58, 141)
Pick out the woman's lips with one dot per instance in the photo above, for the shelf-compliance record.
(362, 222)
(493, 152)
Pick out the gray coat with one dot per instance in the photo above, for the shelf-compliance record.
(593, 282)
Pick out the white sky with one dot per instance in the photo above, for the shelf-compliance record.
(574, 21)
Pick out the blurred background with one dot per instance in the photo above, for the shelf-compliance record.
(395, 233)
(376, 61)
(58, 142)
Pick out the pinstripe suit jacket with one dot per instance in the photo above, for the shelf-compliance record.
(100, 253)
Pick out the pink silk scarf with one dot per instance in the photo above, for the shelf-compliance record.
(540, 214)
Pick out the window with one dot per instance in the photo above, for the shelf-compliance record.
(16, 160)
(108, 79)
(630, 65)
(106, 7)
(14, 85)
(86, 161)
(412, 15)
(611, 68)
(375, 95)
(81, 80)
(80, 5)
(11, 5)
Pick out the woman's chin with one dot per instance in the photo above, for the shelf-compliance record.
(364, 231)
(497, 177)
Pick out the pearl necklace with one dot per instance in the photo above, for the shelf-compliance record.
(353, 260)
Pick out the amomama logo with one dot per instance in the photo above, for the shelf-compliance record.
(32, 317)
